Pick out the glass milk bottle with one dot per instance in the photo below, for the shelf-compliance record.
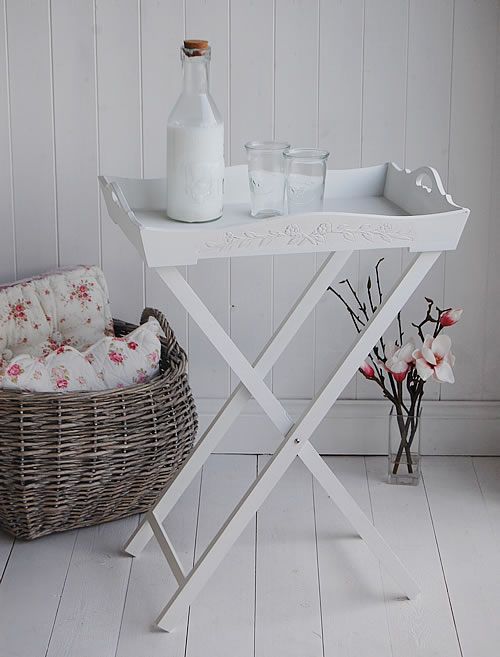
(195, 143)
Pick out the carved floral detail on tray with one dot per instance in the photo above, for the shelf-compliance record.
(293, 235)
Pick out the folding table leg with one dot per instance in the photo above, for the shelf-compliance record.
(294, 442)
(360, 522)
(228, 534)
(233, 406)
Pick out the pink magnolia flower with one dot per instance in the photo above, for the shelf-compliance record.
(435, 359)
(367, 370)
(399, 360)
(451, 317)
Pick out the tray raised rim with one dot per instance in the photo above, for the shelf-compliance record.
(438, 225)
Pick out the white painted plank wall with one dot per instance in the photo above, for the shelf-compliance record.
(162, 29)
(384, 118)
(86, 86)
(251, 278)
(428, 124)
(471, 180)
(340, 119)
(7, 244)
(32, 134)
(75, 131)
(296, 121)
(119, 84)
(209, 375)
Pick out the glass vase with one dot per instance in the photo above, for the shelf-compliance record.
(404, 448)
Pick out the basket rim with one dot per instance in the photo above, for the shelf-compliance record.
(162, 378)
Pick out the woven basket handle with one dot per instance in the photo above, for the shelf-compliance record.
(170, 338)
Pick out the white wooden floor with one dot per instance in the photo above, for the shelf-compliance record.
(298, 583)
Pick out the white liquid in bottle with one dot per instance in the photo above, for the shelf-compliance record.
(195, 172)
(195, 143)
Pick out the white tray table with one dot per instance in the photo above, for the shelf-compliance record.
(368, 208)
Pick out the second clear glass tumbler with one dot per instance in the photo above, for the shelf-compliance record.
(305, 170)
(266, 177)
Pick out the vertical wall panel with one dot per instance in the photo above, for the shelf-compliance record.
(491, 352)
(471, 150)
(73, 56)
(210, 376)
(252, 67)
(162, 29)
(384, 114)
(28, 25)
(7, 245)
(340, 104)
(296, 116)
(428, 126)
(118, 78)
(252, 74)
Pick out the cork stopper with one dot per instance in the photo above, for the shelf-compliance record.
(195, 47)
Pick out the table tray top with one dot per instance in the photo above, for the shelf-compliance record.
(372, 207)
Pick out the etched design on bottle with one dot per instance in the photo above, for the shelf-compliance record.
(196, 172)
(202, 181)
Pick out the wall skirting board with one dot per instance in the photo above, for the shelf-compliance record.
(360, 427)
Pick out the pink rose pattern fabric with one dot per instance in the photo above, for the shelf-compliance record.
(110, 363)
(69, 307)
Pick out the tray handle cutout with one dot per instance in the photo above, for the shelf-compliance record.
(429, 179)
(115, 199)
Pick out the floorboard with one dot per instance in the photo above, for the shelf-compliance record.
(221, 621)
(488, 475)
(469, 551)
(90, 611)
(30, 593)
(423, 626)
(352, 595)
(6, 546)
(151, 584)
(288, 620)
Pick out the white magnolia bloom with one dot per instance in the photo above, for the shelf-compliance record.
(435, 359)
(399, 360)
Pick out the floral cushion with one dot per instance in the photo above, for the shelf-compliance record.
(110, 363)
(70, 306)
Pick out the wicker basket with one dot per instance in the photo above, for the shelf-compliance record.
(70, 460)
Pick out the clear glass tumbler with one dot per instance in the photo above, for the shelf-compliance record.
(305, 170)
(266, 177)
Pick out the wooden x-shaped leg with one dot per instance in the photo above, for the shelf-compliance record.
(296, 436)
(236, 402)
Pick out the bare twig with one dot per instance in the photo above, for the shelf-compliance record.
(373, 308)
(428, 318)
(401, 333)
(379, 288)
(361, 306)
(355, 318)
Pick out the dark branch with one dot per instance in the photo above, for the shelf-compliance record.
(379, 288)
(355, 318)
